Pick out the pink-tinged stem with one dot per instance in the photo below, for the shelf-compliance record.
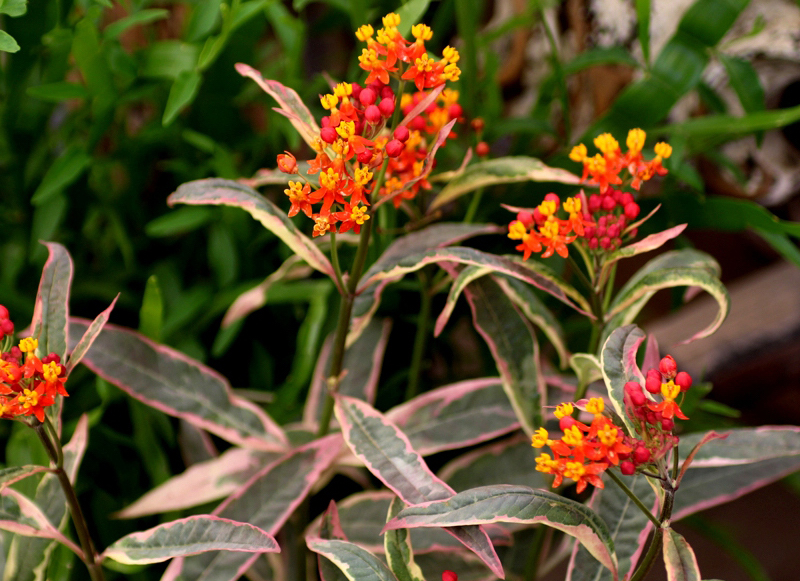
(56, 457)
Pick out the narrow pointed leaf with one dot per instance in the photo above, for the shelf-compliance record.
(201, 483)
(89, 336)
(512, 341)
(587, 368)
(363, 361)
(618, 361)
(387, 453)
(455, 416)
(175, 384)
(356, 563)
(744, 80)
(189, 536)
(51, 310)
(516, 504)
(363, 515)
(466, 276)
(28, 554)
(266, 501)
(628, 525)
(330, 528)
(220, 192)
(502, 170)
(526, 300)
(679, 559)
(397, 544)
(20, 516)
(290, 103)
(14, 474)
(646, 244)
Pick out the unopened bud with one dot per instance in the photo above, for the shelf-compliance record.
(328, 134)
(372, 113)
(394, 148)
(668, 367)
(367, 97)
(386, 107)
(684, 380)
(449, 576)
(482, 149)
(401, 133)
(627, 468)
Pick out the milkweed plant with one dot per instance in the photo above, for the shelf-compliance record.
(581, 459)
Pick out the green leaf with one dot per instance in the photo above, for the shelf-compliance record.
(220, 192)
(782, 244)
(67, 168)
(116, 28)
(745, 82)
(151, 313)
(502, 170)
(397, 545)
(13, 7)
(612, 55)
(643, 25)
(58, 91)
(512, 342)
(356, 563)
(587, 368)
(7, 42)
(721, 128)
(410, 13)
(51, 310)
(520, 505)
(189, 536)
(676, 268)
(618, 360)
(679, 559)
(179, 221)
(466, 276)
(168, 59)
(182, 93)
(628, 525)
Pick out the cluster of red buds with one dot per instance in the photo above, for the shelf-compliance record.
(540, 229)
(584, 452)
(353, 140)
(6, 326)
(611, 211)
(29, 384)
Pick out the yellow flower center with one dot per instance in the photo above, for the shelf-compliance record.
(572, 436)
(421, 32)
(364, 33)
(28, 345)
(606, 143)
(517, 230)
(539, 438)
(595, 406)
(28, 398)
(578, 153)
(670, 391)
(563, 410)
(635, 141)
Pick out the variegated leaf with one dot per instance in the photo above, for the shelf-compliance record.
(397, 544)
(679, 559)
(618, 361)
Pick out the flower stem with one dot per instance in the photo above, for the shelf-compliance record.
(618, 481)
(53, 448)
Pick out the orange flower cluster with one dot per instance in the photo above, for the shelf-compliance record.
(603, 168)
(386, 48)
(29, 384)
(584, 452)
(540, 230)
(353, 142)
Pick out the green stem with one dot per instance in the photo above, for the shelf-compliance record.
(337, 270)
(423, 321)
(53, 434)
(535, 552)
(53, 448)
(618, 481)
(558, 70)
(473, 206)
(655, 542)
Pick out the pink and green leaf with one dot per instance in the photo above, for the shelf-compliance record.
(397, 547)
(679, 559)
(189, 536)
(265, 501)
(356, 563)
(220, 192)
(512, 342)
(21, 516)
(330, 528)
(628, 525)
(504, 462)
(646, 244)
(723, 470)
(51, 309)
(618, 361)
(27, 554)
(455, 416)
(14, 474)
(363, 515)
(362, 362)
(466, 276)
(291, 106)
(522, 295)
(388, 455)
(201, 483)
(85, 342)
(175, 384)
(516, 504)
(587, 368)
(502, 170)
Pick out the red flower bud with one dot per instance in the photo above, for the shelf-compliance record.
(3, 312)
(627, 468)
(634, 391)
(608, 203)
(566, 423)
(667, 424)
(365, 156)
(328, 134)
(482, 149)
(387, 93)
(641, 455)
(626, 199)
(526, 218)
(401, 133)
(326, 121)
(594, 203)
(449, 576)
(478, 124)
(287, 162)
(386, 107)
(605, 243)
(684, 380)
(653, 382)
(668, 367)
(367, 97)
(551, 197)
(455, 111)
(394, 148)
(356, 90)
(631, 210)
(372, 113)
(418, 123)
